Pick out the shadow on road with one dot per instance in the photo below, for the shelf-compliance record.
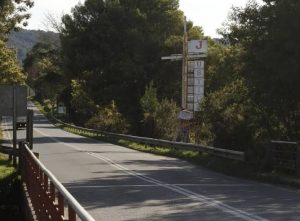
(160, 203)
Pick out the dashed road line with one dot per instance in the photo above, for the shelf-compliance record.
(191, 195)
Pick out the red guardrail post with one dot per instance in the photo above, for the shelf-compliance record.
(61, 205)
(42, 191)
(72, 214)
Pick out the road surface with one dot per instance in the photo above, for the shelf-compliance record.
(115, 183)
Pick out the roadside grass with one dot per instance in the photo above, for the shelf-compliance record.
(218, 164)
(10, 190)
(247, 170)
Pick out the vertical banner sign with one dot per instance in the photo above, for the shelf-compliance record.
(190, 85)
(198, 84)
(195, 84)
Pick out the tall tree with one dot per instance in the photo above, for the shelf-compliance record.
(10, 72)
(116, 47)
(44, 68)
(269, 35)
(12, 15)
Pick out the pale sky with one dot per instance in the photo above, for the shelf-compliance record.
(209, 14)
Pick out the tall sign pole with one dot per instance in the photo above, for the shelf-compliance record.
(14, 125)
(184, 67)
(192, 78)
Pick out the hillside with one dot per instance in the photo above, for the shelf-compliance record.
(24, 40)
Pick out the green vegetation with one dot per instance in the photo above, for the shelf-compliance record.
(110, 75)
(24, 40)
(115, 64)
(12, 15)
(160, 118)
(252, 170)
(10, 190)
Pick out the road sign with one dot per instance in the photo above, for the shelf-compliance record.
(195, 84)
(6, 100)
(179, 57)
(185, 115)
(197, 47)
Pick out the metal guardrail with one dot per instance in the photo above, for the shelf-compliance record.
(48, 196)
(225, 153)
(8, 150)
(285, 156)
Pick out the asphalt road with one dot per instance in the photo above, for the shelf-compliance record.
(115, 183)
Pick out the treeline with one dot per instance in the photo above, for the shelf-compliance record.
(108, 71)
(12, 16)
(23, 40)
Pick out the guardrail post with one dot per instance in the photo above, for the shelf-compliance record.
(72, 214)
(61, 204)
(270, 156)
(298, 160)
(29, 128)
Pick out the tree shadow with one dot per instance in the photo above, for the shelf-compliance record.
(139, 199)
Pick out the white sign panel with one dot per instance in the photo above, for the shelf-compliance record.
(6, 100)
(185, 115)
(199, 64)
(192, 65)
(199, 73)
(197, 100)
(199, 90)
(61, 109)
(199, 82)
(197, 46)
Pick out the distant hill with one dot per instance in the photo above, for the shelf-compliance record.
(24, 40)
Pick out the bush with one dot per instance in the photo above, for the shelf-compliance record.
(10, 192)
(230, 119)
(109, 119)
(160, 118)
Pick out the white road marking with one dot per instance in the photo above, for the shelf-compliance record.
(155, 185)
(191, 195)
(6, 128)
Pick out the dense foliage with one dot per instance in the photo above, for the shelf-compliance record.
(43, 65)
(13, 14)
(111, 59)
(252, 83)
(115, 47)
(23, 40)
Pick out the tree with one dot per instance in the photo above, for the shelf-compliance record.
(10, 72)
(44, 68)
(149, 104)
(116, 48)
(82, 106)
(12, 14)
(160, 118)
(269, 36)
(109, 119)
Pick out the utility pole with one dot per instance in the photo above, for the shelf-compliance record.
(184, 67)
(14, 125)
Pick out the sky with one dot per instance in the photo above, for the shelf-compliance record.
(209, 14)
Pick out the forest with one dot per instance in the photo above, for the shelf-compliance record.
(107, 70)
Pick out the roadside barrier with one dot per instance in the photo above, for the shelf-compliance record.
(285, 156)
(225, 153)
(50, 199)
